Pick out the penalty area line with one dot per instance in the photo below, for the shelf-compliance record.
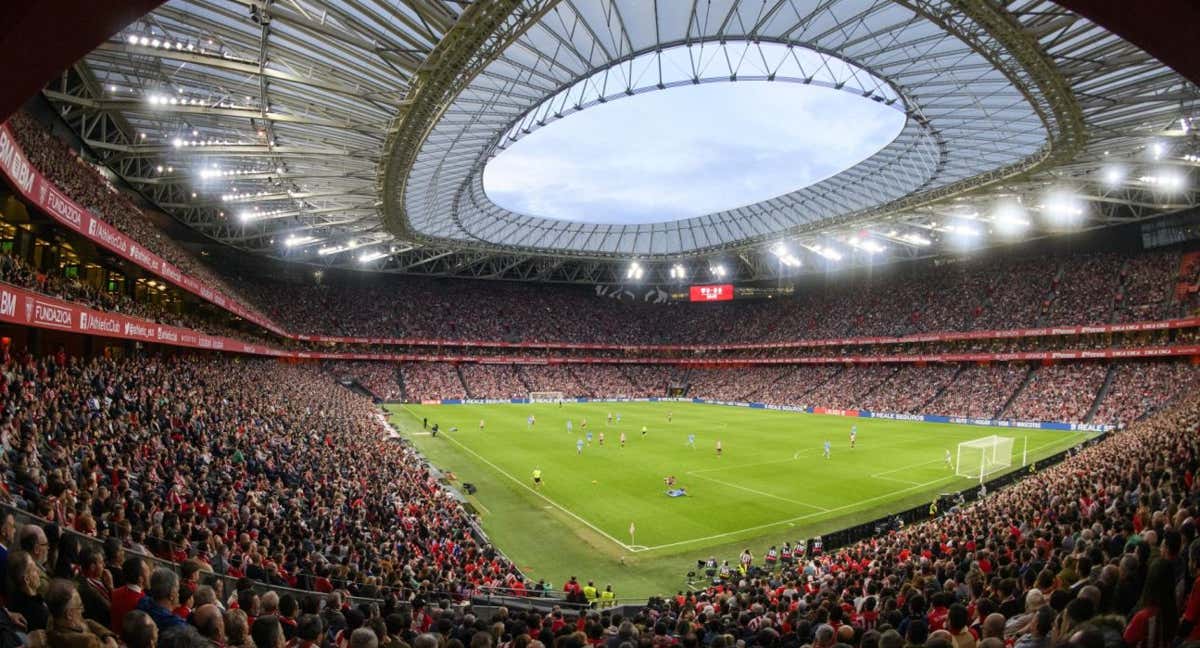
(747, 489)
(795, 519)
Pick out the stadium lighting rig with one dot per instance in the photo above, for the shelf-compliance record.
(296, 241)
(371, 255)
(1114, 175)
(828, 252)
(718, 271)
(785, 256)
(635, 271)
(1062, 208)
(1009, 219)
(865, 243)
(678, 272)
(1164, 181)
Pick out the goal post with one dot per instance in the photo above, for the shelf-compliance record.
(545, 397)
(979, 458)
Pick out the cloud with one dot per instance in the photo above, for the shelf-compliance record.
(687, 151)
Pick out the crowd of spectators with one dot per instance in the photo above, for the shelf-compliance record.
(793, 387)
(1148, 287)
(498, 381)
(982, 295)
(85, 185)
(554, 378)
(249, 468)
(979, 391)
(1086, 291)
(909, 389)
(1101, 550)
(848, 388)
(424, 381)
(974, 294)
(1060, 392)
(378, 378)
(617, 381)
(733, 384)
(1139, 389)
(1098, 551)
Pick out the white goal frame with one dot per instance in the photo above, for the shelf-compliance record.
(546, 397)
(995, 454)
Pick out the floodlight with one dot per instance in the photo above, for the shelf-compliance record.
(1063, 208)
(1010, 219)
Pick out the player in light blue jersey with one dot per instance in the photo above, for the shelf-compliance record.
(692, 441)
(853, 435)
(589, 437)
(579, 446)
(530, 421)
(826, 448)
(570, 426)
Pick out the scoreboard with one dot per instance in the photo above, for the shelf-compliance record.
(728, 292)
(711, 292)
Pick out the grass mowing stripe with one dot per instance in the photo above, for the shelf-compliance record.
(775, 492)
(535, 492)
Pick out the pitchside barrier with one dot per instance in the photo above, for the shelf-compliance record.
(924, 418)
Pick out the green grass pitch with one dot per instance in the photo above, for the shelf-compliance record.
(771, 484)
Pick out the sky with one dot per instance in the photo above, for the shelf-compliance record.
(686, 151)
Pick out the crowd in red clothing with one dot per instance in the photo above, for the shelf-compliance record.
(1063, 392)
(378, 378)
(982, 295)
(1100, 550)
(251, 467)
(84, 184)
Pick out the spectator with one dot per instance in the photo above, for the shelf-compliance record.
(135, 573)
(1154, 624)
(68, 627)
(139, 630)
(161, 598)
(22, 591)
(267, 633)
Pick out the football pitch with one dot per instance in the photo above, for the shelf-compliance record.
(770, 484)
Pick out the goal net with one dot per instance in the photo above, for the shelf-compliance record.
(545, 396)
(979, 458)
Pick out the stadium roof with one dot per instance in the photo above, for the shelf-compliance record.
(359, 129)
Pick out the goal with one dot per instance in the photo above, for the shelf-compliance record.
(545, 397)
(979, 458)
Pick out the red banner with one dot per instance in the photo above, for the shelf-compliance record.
(27, 308)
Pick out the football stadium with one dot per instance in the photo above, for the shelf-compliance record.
(600, 324)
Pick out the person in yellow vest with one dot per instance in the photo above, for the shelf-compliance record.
(607, 597)
(589, 591)
(933, 508)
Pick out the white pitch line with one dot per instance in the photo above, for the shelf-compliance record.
(794, 519)
(547, 499)
(895, 479)
(757, 492)
(812, 515)
(740, 466)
